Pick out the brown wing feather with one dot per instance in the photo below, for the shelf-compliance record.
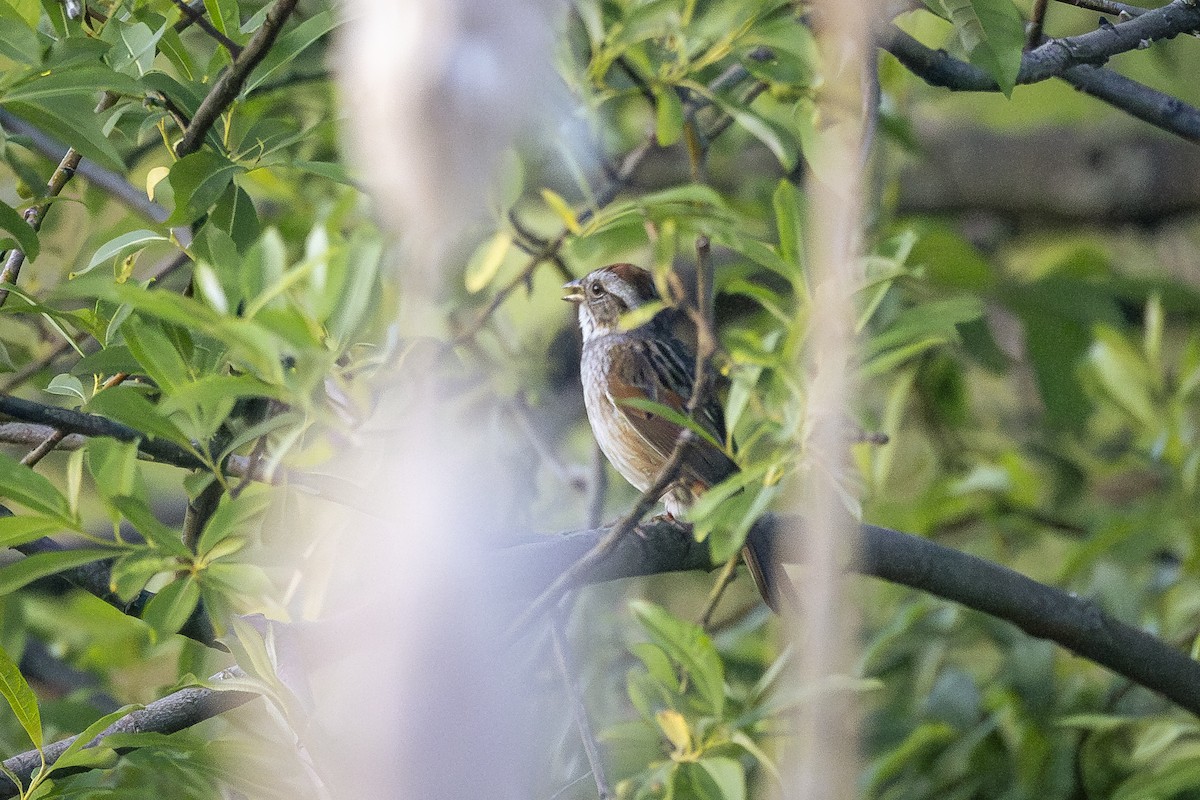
(636, 376)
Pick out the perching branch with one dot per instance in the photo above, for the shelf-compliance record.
(227, 87)
(173, 713)
(1073, 622)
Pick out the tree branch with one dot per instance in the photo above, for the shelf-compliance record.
(173, 713)
(939, 68)
(197, 17)
(1045, 612)
(227, 87)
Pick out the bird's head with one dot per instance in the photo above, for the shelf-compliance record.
(605, 294)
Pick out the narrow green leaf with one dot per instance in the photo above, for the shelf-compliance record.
(74, 756)
(21, 698)
(72, 121)
(690, 646)
(132, 571)
(159, 536)
(169, 610)
(19, 530)
(198, 181)
(22, 484)
(120, 246)
(20, 41)
(224, 14)
(22, 233)
(41, 565)
(563, 209)
(289, 45)
(993, 35)
(668, 116)
(125, 405)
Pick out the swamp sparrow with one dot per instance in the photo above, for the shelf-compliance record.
(646, 363)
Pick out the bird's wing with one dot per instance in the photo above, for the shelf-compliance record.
(664, 375)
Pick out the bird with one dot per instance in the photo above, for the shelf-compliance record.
(648, 362)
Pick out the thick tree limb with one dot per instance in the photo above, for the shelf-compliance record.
(227, 87)
(171, 714)
(1073, 622)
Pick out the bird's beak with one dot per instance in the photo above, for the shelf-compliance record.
(573, 292)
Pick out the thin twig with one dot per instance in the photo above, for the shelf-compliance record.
(1118, 10)
(227, 87)
(570, 673)
(54, 437)
(1036, 23)
(198, 18)
(724, 578)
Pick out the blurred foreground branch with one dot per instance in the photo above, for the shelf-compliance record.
(173, 713)
(1045, 612)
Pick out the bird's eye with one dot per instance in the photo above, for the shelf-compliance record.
(597, 288)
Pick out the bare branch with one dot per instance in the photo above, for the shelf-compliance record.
(37, 212)
(569, 673)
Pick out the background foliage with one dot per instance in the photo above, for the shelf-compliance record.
(1036, 372)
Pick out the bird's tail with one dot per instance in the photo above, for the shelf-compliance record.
(768, 574)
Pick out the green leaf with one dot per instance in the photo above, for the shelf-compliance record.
(21, 698)
(80, 82)
(690, 646)
(119, 246)
(993, 35)
(72, 121)
(156, 352)
(41, 565)
(132, 571)
(290, 45)
(126, 405)
(789, 221)
(19, 41)
(721, 779)
(1124, 375)
(20, 483)
(22, 232)
(563, 210)
(75, 754)
(170, 609)
(67, 385)
(668, 109)
(232, 514)
(225, 15)
(159, 536)
(198, 181)
(19, 530)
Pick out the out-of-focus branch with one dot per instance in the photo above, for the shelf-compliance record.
(37, 212)
(1045, 612)
(227, 87)
(173, 713)
(106, 180)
